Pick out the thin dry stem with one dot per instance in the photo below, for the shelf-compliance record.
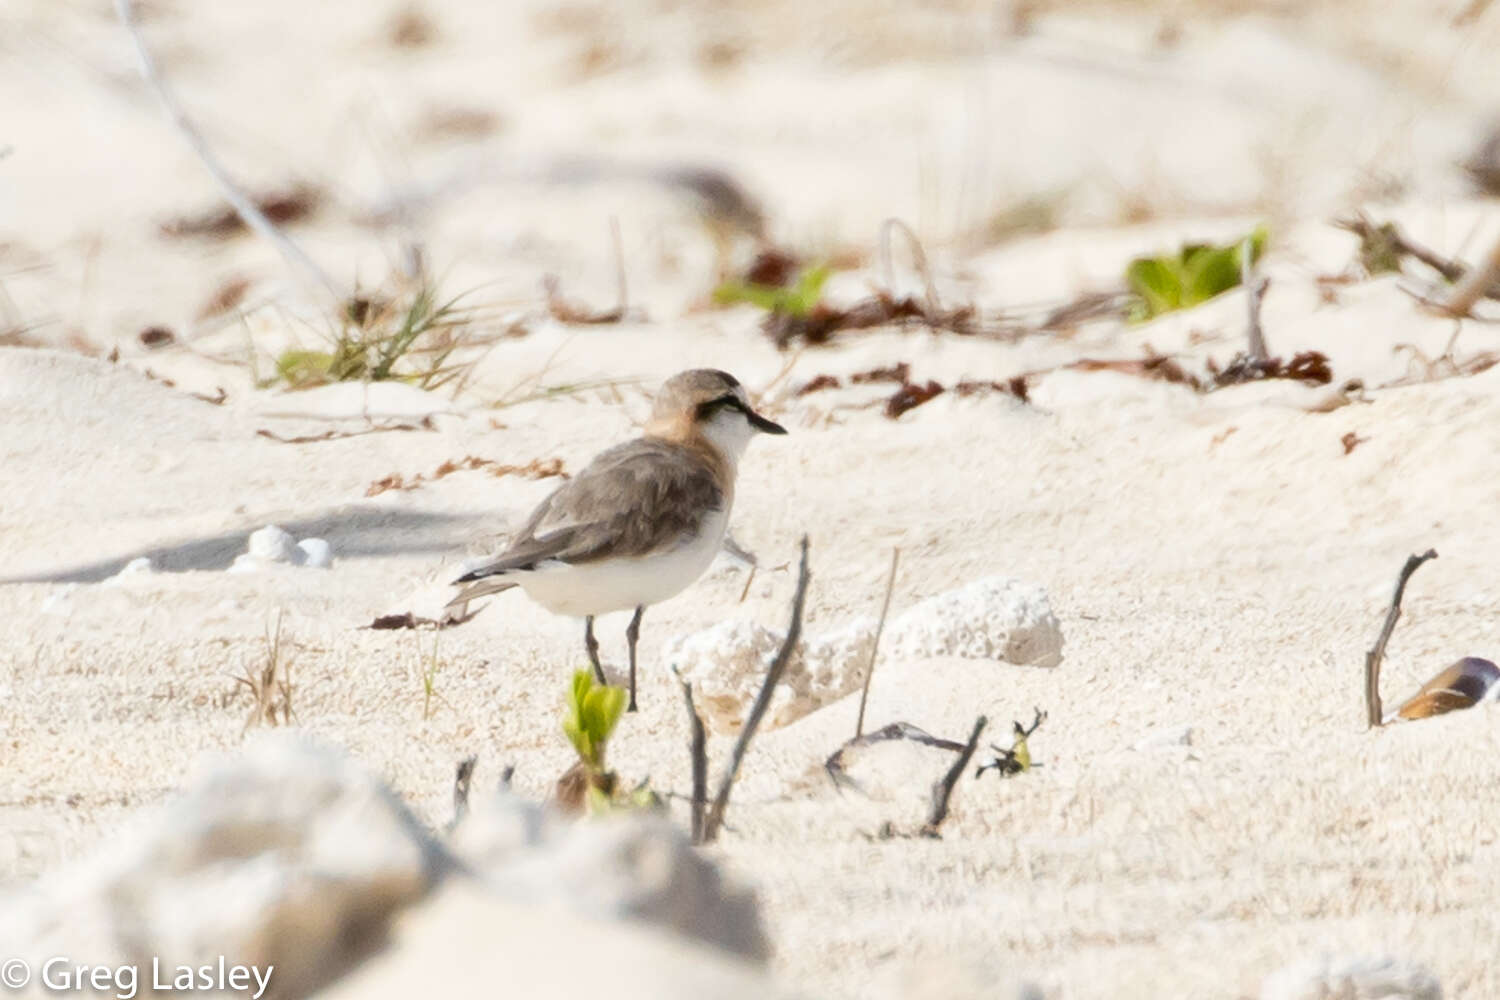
(698, 748)
(864, 694)
(942, 791)
(1475, 284)
(305, 268)
(715, 820)
(1373, 713)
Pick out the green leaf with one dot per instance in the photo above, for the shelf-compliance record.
(591, 713)
(799, 299)
(601, 711)
(1196, 273)
(299, 369)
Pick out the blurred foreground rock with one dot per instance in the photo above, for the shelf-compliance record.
(290, 855)
(1351, 977)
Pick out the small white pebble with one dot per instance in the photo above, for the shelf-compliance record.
(316, 553)
(272, 544)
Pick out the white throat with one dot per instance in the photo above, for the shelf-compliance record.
(729, 430)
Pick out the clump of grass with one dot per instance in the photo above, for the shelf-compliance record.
(270, 686)
(1191, 276)
(410, 338)
(428, 671)
(798, 298)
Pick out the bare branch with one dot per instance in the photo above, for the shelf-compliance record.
(1475, 285)
(864, 694)
(762, 703)
(1373, 713)
(698, 749)
(835, 763)
(943, 790)
(462, 778)
(313, 276)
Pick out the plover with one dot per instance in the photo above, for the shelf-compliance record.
(641, 521)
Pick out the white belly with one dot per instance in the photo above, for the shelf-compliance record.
(597, 588)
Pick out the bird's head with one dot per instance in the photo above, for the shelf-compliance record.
(710, 403)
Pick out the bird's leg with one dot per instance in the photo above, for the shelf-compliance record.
(592, 645)
(632, 633)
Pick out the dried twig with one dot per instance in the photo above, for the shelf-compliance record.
(1255, 288)
(1377, 652)
(715, 819)
(943, 790)
(834, 765)
(1475, 285)
(461, 779)
(1387, 236)
(919, 258)
(698, 748)
(306, 269)
(864, 694)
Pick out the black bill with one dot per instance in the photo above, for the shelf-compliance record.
(760, 423)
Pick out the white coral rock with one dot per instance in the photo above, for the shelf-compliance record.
(997, 618)
(727, 663)
(272, 544)
(314, 553)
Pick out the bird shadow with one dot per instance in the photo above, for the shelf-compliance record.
(353, 532)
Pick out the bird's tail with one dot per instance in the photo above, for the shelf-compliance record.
(457, 610)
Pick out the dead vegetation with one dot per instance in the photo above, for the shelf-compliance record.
(269, 685)
(537, 468)
(1015, 759)
(1373, 714)
(708, 816)
(297, 202)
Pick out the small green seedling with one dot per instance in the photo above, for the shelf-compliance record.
(1191, 276)
(797, 299)
(593, 710)
(590, 716)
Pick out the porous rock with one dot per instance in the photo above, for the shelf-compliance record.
(726, 665)
(996, 618)
(286, 855)
(636, 868)
(466, 943)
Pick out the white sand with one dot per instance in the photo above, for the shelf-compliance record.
(1217, 563)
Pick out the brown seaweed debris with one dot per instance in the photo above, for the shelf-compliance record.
(899, 373)
(1306, 366)
(881, 309)
(285, 206)
(910, 396)
(537, 468)
(817, 384)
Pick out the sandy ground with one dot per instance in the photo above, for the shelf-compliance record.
(1219, 563)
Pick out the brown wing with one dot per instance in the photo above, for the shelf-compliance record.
(621, 505)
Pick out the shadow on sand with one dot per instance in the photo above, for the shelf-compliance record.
(354, 533)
